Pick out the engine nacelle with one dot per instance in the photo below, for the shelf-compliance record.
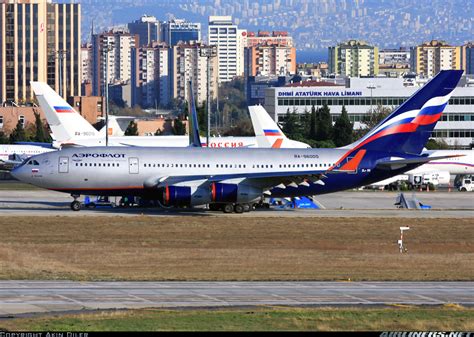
(185, 196)
(234, 193)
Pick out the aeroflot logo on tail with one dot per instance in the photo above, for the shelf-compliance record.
(99, 155)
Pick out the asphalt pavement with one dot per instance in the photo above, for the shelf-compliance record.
(24, 297)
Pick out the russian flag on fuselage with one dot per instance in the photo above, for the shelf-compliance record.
(272, 132)
(63, 109)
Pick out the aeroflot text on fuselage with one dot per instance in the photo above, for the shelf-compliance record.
(319, 93)
(99, 155)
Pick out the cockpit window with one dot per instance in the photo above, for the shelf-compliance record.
(32, 163)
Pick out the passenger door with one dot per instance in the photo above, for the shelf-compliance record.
(63, 165)
(133, 165)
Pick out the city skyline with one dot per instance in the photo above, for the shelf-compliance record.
(316, 24)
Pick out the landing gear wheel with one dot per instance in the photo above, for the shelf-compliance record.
(239, 208)
(76, 206)
(228, 208)
(247, 208)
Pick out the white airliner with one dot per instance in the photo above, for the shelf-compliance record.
(14, 154)
(69, 128)
(231, 179)
(438, 171)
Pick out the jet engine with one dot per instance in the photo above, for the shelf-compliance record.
(184, 195)
(234, 193)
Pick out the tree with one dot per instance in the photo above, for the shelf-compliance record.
(40, 134)
(18, 134)
(290, 129)
(178, 127)
(312, 122)
(371, 119)
(132, 129)
(306, 121)
(243, 128)
(436, 144)
(3, 138)
(342, 134)
(202, 118)
(324, 124)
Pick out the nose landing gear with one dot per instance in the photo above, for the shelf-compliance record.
(76, 205)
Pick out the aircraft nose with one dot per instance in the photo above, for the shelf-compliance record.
(18, 173)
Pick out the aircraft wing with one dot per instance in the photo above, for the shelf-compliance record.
(400, 163)
(263, 179)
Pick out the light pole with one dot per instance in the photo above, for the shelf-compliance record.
(208, 52)
(371, 86)
(60, 55)
(107, 50)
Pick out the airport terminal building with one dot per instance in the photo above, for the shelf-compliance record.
(360, 95)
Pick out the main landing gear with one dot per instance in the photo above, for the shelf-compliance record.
(231, 208)
(76, 205)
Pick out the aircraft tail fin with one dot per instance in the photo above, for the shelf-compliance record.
(267, 132)
(408, 128)
(194, 139)
(66, 124)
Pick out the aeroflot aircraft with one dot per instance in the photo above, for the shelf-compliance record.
(70, 128)
(232, 178)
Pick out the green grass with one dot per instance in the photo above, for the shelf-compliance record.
(257, 319)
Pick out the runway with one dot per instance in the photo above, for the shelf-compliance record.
(341, 204)
(22, 297)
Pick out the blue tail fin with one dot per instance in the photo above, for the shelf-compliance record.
(194, 139)
(408, 128)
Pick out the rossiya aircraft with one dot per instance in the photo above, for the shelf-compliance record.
(69, 128)
(231, 179)
(14, 154)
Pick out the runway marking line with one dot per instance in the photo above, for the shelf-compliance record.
(70, 300)
(431, 299)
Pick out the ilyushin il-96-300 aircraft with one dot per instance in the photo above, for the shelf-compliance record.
(231, 179)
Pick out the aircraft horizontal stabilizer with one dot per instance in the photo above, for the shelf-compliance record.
(400, 163)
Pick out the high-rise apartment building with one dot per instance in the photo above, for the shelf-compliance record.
(147, 28)
(114, 51)
(467, 58)
(430, 57)
(275, 38)
(230, 42)
(354, 58)
(188, 64)
(394, 62)
(176, 31)
(39, 41)
(269, 55)
(86, 61)
(152, 83)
